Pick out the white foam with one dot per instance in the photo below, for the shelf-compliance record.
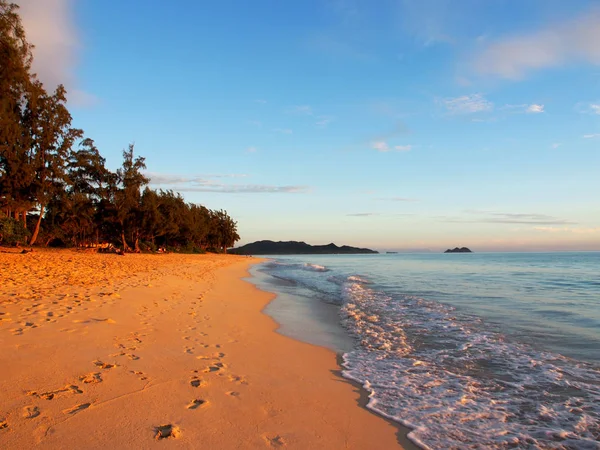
(460, 386)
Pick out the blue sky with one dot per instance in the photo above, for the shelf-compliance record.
(393, 124)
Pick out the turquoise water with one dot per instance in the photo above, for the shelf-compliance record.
(485, 350)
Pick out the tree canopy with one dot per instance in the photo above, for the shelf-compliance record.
(50, 172)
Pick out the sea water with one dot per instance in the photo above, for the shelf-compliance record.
(471, 351)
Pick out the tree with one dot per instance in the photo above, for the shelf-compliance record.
(127, 196)
(49, 122)
(16, 82)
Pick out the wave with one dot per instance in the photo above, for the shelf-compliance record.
(460, 386)
(315, 267)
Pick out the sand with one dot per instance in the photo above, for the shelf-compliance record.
(139, 351)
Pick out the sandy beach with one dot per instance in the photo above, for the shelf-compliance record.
(153, 350)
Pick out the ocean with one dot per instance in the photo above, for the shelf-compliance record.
(470, 351)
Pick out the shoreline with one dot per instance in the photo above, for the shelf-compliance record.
(102, 349)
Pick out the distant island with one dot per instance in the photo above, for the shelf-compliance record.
(296, 248)
(458, 250)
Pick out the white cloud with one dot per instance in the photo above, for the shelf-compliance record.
(251, 149)
(556, 145)
(283, 130)
(51, 28)
(591, 136)
(363, 214)
(304, 110)
(207, 183)
(467, 104)
(595, 109)
(380, 146)
(535, 109)
(261, 101)
(403, 148)
(575, 230)
(324, 121)
(555, 45)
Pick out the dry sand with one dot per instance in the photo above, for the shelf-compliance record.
(170, 351)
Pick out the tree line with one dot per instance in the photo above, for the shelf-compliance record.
(54, 184)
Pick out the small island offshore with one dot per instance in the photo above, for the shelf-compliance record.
(458, 250)
(297, 248)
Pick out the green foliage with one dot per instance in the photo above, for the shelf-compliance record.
(77, 200)
(12, 232)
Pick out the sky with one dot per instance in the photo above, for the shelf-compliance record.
(390, 124)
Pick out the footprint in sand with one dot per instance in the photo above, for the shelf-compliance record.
(93, 377)
(237, 379)
(3, 424)
(29, 412)
(77, 408)
(233, 394)
(103, 365)
(197, 382)
(50, 395)
(274, 441)
(215, 367)
(194, 404)
(142, 376)
(168, 431)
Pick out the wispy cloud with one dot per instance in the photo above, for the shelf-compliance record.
(251, 150)
(398, 199)
(260, 101)
(304, 110)
(591, 136)
(556, 145)
(256, 123)
(555, 45)
(209, 183)
(383, 146)
(588, 108)
(50, 25)
(283, 130)
(367, 214)
(574, 230)
(509, 218)
(323, 121)
(467, 104)
(380, 146)
(533, 108)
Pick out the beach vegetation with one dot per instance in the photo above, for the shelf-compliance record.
(54, 183)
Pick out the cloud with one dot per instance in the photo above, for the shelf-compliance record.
(535, 109)
(304, 110)
(399, 199)
(380, 146)
(251, 149)
(595, 108)
(575, 230)
(246, 189)
(509, 218)
(588, 108)
(207, 183)
(467, 104)
(362, 214)
(324, 121)
(283, 130)
(50, 26)
(403, 148)
(591, 136)
(556, 145)
(261, 101)
(512, 57)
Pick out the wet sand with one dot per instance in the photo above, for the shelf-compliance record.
(144, 350)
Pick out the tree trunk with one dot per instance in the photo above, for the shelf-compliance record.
(37, 226)
(125, 246)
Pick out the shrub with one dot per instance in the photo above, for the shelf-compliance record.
(12, 232)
